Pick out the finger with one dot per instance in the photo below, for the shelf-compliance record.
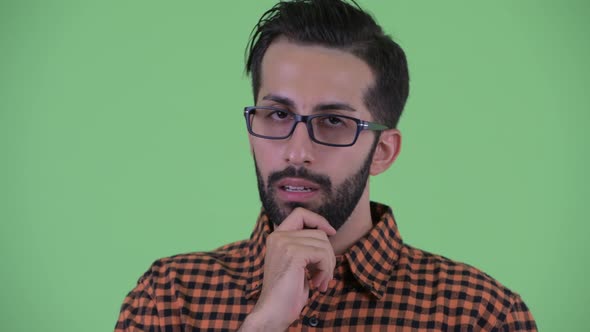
(307, 250)
(301, 218)
(319, 264)
(303, 234)
(319, 278)
(306, 247)
(314, 255)
(308, 237)
(305, 284)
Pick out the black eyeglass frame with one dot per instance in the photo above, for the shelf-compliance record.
(360, 124)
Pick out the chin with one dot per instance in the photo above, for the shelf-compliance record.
(288, 207)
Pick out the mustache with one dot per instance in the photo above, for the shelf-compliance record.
(302, 173)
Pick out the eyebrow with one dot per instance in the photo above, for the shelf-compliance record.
(317, 108)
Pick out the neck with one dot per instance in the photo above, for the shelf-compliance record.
(358, 224)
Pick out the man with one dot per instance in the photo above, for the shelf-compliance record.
(329, 88)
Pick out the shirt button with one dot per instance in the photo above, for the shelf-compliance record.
(313, 321)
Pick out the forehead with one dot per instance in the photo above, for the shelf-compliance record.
(310, 75)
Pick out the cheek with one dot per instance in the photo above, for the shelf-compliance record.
(348, 163)
(265, 155)
(343, 168)
(337, 163)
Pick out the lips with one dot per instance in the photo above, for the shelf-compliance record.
(293, 189)
(296, 189)
(297, 184)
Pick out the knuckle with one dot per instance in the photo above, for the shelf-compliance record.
(298, 211)
(289, 250)
(320, 234)
(299, 208)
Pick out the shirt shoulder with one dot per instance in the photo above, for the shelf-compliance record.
(226, 262)
(449, 272)
(462, 290)
(183, 287)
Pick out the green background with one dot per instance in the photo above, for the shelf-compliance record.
(122, 140)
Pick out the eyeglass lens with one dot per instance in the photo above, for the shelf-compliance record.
(331, 129)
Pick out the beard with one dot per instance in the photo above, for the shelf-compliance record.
(339, 202)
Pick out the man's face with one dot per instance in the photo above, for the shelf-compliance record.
(296, 171)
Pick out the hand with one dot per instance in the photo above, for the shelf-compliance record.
(290, 251)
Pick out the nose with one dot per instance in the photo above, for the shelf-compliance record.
(299, 147)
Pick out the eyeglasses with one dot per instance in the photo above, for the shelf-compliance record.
(327, 129)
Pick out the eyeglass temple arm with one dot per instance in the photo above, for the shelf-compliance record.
(373, 126)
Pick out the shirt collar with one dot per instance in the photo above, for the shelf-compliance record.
(255, 255)
(371, 259)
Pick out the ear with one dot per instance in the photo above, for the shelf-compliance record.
(386, 151)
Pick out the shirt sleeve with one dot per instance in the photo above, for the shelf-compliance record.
(519, 318)
(139, 311)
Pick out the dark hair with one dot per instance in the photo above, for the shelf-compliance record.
(337, 24)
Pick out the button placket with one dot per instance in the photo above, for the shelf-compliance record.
(309, 314)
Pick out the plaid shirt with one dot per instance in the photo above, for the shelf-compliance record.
(379, 284)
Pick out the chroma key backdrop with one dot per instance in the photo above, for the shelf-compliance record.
(122, 140)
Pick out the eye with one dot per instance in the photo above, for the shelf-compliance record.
(333, 120)
(279, 114)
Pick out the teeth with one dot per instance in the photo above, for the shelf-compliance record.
(297, 189)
